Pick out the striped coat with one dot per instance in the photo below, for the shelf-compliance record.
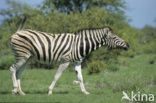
(56, 47)
(65, 48)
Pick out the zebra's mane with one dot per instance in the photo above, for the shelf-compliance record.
(80, 30)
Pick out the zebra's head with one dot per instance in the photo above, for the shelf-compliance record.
(113, 41)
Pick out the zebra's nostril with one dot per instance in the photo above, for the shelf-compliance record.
(128, 46)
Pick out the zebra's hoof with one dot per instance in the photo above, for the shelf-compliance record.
(21, 93)
(76, 82)
(14, 91)
(85, 92)
(49, 92)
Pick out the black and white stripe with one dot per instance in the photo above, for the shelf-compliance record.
(67, 46)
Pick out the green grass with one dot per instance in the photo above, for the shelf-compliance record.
(135, 74)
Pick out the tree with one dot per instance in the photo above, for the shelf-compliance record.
(70, 6)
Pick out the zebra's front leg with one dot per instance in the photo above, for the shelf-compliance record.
(61, 68)
(80, 78)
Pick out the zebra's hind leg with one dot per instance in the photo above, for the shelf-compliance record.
(13, 76)
(18, 75)
(16, 70)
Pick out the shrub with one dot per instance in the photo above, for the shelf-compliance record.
(6, 62)
(112, 65)
(96, 67)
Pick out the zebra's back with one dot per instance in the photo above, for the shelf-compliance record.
(43, 46)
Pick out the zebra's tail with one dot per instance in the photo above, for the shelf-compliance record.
(22, 23)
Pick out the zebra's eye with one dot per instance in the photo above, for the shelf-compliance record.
(105, 36)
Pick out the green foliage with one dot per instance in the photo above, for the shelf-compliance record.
(148, 39)
(4, 41)
(6, 62)
(96, 67)
(112, 65)
(72, 6)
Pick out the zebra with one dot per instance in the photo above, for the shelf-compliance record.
(64, 48)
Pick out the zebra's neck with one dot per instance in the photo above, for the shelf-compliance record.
(90, 40)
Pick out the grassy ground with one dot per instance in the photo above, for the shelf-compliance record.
(135, 74)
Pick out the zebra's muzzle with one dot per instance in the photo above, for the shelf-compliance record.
(127, 47)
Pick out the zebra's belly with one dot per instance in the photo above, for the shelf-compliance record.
(53, 57)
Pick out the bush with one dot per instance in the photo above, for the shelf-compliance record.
(96, 67)
(6, 62)
(112, 65)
